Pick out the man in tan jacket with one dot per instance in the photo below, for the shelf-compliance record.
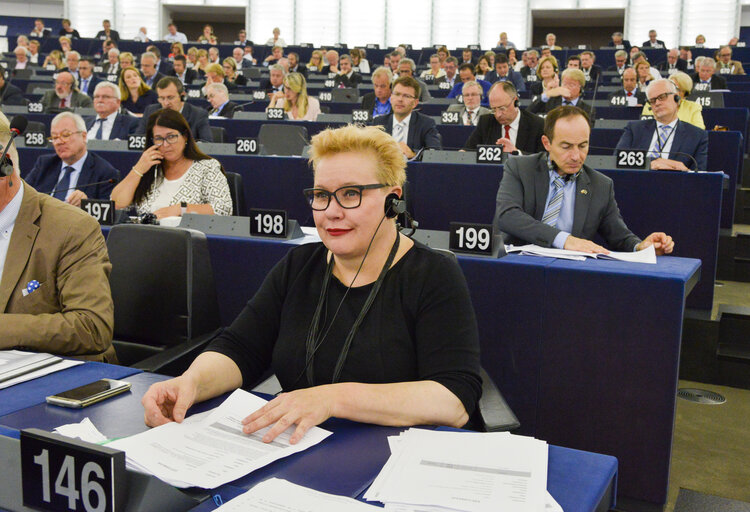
(54, 270)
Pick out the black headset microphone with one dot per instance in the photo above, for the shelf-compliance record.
(17, 126)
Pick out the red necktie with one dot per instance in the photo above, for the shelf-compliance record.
(630, 93)
(507, 131)
(62, 103)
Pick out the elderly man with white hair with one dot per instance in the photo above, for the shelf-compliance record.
(22, 57)
(705, 77)
(65, 94)
(109, 123)
(217, 95)
(112, 65)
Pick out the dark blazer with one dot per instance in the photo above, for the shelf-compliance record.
(717, 81)
(11, 95)
(348, 81)
(73, 34)
(158, 76)
(640, 96)
(513, 76)
(110, 69)
(143, 102)
(625, 43)
(659, 44)
(265, 85)
(93, 81)
(681, 65)
(686, 139)
(227, 110)
(595, 72)
(540, 107)
(614, 68)
(196, 117)
(301, 69)
(190, 75)
(113, 35)
(46, 172)
(123, 126)
(522, 197)
(239, 80)
(423, 132)
(526, 71)
(528, 140)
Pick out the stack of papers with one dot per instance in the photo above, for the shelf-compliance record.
(17, 366)
(213, 450)
(647, 255)
(279, 495)
(435, 471)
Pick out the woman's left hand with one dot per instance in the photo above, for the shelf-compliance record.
(305, 408)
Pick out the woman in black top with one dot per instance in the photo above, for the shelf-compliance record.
(368, 326)
(69, 31)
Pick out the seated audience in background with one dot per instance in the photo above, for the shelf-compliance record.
(451, 76)
(434, 71)
(107, 32)
(503, 42)
(127, 60)
(295, 101)
(62, 248)
(55, 59)
(181, 71)
(67, 173)
(528, 71)
(572, 82)
(163, 66)
(700, 41)
(135, 95)
(574, 62)
(231, 78)
(109, 123)
(512, 55)
(66, 44)
(316, 62)
(275, 81)
(208, 36)
(110, 63)
(34, 52)
(470, 110)
(687, 55)
(171, 96)
(634, 97)
(22, 40)
(406, 67)
(277, 52)
(22, 58)
(643, 74)
(673, 63)
(634, 51)
(213, 55)
(359, 61)
(483, 67)
(148, 69)
(725, 65)
(387, 61)
(466, 73)
(412, 130)
(174, 36)
(621, 62)
(242, 40)
(142, 36)
(72, 58)
(332, 57)
(395, 60)
(671, 144)
(546, 52)
(65, 94)
(202, 61)
(217, 95)
(107, 45)
(347, 77)
(9, 93)
(87, 80)
(504, 72)
(591, 71)
(68, 31)
(295, 66)
(689, 111)
(276, 39)
(541, 199)
(547, 73)
(443, 55)
(173, 176)
(706, 75)
(550, 40)
(378, 102)
(507, 125)
(215, 75)
(467, 57)
(423, 308)
(176, 49)
(40, 30)
(192, 58)
(619, 43)
(652, 41)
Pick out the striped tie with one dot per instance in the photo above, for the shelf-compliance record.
(658, 146)
(398, 132)
(552, 213)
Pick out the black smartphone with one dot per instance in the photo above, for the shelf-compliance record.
(89, 394)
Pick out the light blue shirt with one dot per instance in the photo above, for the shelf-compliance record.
(565, 220)
(74, 174)
(7, 222)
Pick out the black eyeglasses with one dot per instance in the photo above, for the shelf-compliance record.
(348, 197)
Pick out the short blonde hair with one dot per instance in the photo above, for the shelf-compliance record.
(684, 82)
(382, 71)
(372, 140)
(215, 68)
(575, 74)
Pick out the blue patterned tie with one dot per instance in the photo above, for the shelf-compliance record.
(61, 190)
(552, 213)
(664, 131)
(100, 131)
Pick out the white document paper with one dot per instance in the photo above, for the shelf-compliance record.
(85, 431)
(276, 495)
(18, 366)
(213, 451)
(647, 255)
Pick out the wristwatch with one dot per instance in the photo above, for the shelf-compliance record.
(183, 208)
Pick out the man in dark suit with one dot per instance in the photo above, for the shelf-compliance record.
(706, 75)
(634, 97)
(172, 95)
(621, 62)
(572, 82)
(148, 69)
(515, 129)
(295, 66)
(407, 67)
(413, 131)
(9, 93)
(275, 81)
(652, 41)
(109, 124)
(67, 174)
(618, 42)
(552, 199)
(503, 72)
(108, 33)
(467, 57)
(181, 71)
(671, 144)
(217, 95)
(347, 77)
(87, 80)
(65, 94)
(528, 72)
(673, 63)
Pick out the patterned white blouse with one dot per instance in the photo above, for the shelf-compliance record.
(203, 183)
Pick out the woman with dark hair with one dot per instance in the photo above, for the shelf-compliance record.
(173, 176)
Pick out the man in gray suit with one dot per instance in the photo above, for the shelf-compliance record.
(470, 110)
(552, 199)
(65, 94)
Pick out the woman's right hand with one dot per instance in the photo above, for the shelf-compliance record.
(151, 157)
(169, 400)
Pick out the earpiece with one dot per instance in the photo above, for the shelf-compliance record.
(676, 98)
(516, 102)
(394, 206)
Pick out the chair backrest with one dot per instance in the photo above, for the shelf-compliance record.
(162, 284)
(283, 139)
(23, 74)
(238, 193)
(219, 134)
(349, 95)
(37, 126)
(251, 73)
